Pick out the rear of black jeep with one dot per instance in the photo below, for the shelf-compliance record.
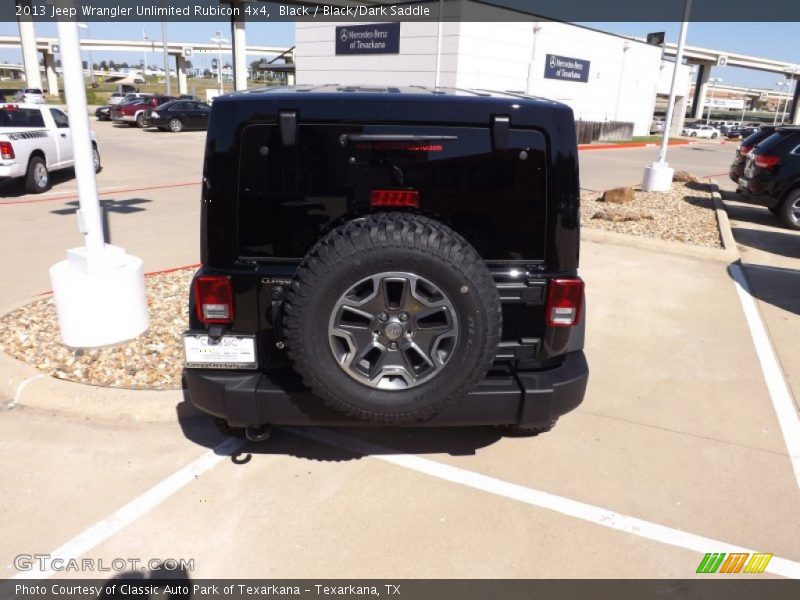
(388, 257)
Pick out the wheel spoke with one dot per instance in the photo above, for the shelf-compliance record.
(393, 330)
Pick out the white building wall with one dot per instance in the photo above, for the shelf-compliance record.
(623, 78)
(316, 61)
(665, 79)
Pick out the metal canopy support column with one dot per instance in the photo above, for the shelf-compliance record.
(180, 70)
(700, 90)
(30, 57)
(794, 116)
(50, 72)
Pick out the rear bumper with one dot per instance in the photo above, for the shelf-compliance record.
(759, 192)
(247, 398)
(11, 170)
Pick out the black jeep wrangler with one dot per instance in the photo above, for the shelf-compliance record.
(388, 256)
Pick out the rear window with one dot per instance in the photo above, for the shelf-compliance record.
(33, 91)
(21, 117)
(290, 196)
(756, 137)
(780, 141)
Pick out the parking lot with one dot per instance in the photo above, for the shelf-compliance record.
(676, 451)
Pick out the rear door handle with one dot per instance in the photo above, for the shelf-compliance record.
(63, 135)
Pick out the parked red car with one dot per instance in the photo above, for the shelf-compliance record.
(134, 113)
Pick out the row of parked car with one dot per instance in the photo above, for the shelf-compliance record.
(167, 113)
(713, 130)
(767, 171)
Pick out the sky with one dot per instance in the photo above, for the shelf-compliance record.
(767, 40)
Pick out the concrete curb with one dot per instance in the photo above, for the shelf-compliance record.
(612, 146)
(724, 224)
(728, 254)
(23, 386)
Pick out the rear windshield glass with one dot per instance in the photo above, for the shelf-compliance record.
(21, 117)
(755, 138)
(289, 196)
(780, 140)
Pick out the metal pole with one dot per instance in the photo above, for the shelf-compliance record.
(711, 97)
(531, 65)
(438, 77)
(91, 56)
(219, 67)
(780, 98)
(662, 154)
(144, 67)
(89, 214)
(786, 102)
(744, 105)
(166, 56)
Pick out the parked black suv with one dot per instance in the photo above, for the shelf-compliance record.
(747, 145)
(388, 256)
(771, 175)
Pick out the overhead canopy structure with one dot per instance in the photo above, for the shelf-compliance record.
(707, 58)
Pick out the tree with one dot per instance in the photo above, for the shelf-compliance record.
(207, 74)
(188, 65)
(125, 66)
(103, 65)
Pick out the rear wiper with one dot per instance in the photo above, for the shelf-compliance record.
(345, 138)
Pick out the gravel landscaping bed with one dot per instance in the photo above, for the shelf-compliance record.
(684, 214)
(152, 361)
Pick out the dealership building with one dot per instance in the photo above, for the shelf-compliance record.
(602, 76)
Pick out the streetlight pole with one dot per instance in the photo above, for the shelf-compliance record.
(788, 96)
(714, 81)
(780, 85)
(219, 40)
(744, 104)
(85, 27)
(166, 56)
(658, 176)
(144, 67)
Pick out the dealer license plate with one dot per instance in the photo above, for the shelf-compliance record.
(226, 352)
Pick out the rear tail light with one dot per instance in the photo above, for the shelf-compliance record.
(7, 150)
(213, 299)
(744, 150)
(395, 198)
(766, 161)
(564, 302)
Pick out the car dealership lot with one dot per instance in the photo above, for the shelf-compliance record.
(677, 428)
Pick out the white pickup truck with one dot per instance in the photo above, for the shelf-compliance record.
(35, 140)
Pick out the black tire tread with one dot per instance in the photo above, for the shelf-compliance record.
(785, 209)
(30, 185)
(388, 230)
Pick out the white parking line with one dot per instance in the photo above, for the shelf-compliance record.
(137, 507)
(23, 384)
(779, 392)
(565, 506)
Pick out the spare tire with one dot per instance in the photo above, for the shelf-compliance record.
(391, 318)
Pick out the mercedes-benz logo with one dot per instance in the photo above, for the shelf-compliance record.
(343, 35)
(552, 62)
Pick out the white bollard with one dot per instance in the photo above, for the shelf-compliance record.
(657, 177)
